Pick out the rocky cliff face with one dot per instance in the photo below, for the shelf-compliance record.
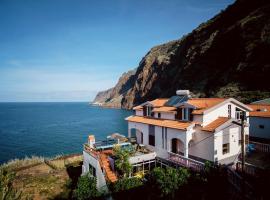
(228, 55)
(113, 96)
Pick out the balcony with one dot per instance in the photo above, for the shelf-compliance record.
(186, 162)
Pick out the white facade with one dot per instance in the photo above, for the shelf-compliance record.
(222, 145)
(90, 161)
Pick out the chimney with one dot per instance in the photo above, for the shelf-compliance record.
(91, 141)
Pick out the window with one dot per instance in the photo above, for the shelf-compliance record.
(239, 114)
(226, 148)
(159, 115)
(147, 111)
(229, 111)
(151, 135)
(185, 114)
(215, 152)
(261, 126)
(92, 170)
(239, 142)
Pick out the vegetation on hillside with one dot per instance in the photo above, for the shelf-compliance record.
(86, 188)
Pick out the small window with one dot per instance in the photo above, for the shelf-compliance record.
(159, 115)
(152, 140)
(239, 142)
(215, 152)
(229, 111)
(185, 114)
(92, 170)
(226, 148)
(151, 135)
(261, 126)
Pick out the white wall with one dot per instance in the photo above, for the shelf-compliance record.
(230, 135)
(198, 118)
(165, 115)
(221, 111)
(87, 159)
(255, 131)
(202, 145)
(139, 112)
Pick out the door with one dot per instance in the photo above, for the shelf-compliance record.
(174, 145)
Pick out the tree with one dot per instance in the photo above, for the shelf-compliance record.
(122, 160)
(169, 180)
(86, 187)
(126, 184)
(7, 192)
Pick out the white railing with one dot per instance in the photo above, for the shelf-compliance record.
(186, 162)
(261, 146)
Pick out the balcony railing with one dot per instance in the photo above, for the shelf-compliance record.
(186, 162)
(261, 146)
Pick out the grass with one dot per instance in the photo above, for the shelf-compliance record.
(43, 178)
(17, 164)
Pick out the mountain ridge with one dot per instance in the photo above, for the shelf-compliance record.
(226, 56)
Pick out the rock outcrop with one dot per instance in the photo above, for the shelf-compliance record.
(113, 96)
(229, 55)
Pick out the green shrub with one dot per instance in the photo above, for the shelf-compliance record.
(126, 184)
(86, 188)
(169, 180)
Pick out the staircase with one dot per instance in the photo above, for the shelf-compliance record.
(105, 164)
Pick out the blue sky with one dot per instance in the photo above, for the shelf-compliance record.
(68, 50)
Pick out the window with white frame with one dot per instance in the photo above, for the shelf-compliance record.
(239, 113)
(229, 111)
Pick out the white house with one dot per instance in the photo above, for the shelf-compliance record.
(197, 128)
(260, 120)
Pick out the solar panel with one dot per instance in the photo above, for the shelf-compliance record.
(176, 99)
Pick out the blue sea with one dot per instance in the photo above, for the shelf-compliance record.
(48, 129)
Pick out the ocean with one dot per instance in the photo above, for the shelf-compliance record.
(48, 129)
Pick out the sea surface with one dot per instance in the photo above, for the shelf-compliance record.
(48, 129)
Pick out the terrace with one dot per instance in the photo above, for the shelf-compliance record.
(102, 152)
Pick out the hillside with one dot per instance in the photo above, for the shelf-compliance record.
(229, 55)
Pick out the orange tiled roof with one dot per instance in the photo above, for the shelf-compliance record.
(155, 103)
(203, 104)
(213, 125)
(164, 109)
(159, 102)
(160, 122)
(259, 110)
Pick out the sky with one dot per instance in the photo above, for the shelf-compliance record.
(68, 50)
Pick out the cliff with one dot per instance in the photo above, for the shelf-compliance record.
(229, 55)
(113, 97)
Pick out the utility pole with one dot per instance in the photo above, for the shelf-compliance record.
(243, 149)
